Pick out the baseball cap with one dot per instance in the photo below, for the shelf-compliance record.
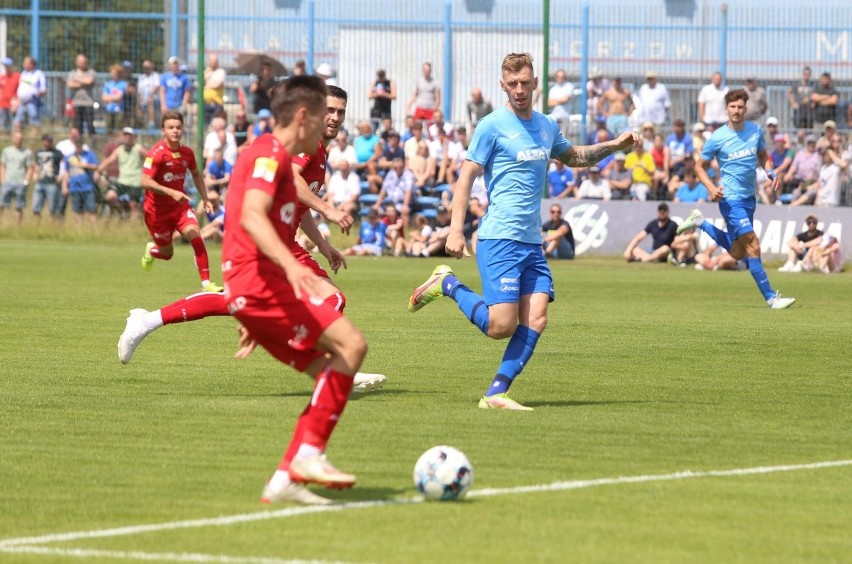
(779, 138)
(265, 113)
(174, 59)
(127, 64)
(772, 121)
(647, 124)
(651, 74)
(619, 156)
(8, 61)
(600, 119)
(129, 131)
(593, 169)
(810, 139)
(698, 127)
(830, 123)
(324, 69)
(596, 72)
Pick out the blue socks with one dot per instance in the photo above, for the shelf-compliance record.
(520, 348)
(470, 303)
(721, 237)
(755, 266)
(518, 353)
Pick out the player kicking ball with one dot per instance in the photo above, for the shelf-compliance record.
(275, 298)
(166, 205)
(513, 145)
(738, 147)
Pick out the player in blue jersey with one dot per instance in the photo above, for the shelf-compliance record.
(738, 147)
(513, 145)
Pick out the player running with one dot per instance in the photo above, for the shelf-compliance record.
(738, 147)
(513, 144)
(309, 173)
(275, 298)
(166, 204)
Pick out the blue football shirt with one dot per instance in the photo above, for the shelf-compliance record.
(515, 155)
(736, 152)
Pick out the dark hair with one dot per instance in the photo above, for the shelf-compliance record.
(663, 207)
(734, 95)
(170, 114)
(297, 91)
(337, 92)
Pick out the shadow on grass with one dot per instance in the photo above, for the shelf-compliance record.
(575, 403)
(359, 493)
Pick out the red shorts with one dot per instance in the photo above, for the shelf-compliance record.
(424, 113)
(162, 225)
(305, 259)
(263, 301)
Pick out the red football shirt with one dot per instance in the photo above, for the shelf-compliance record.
(266, 166)
(313, 171)
(168, 167)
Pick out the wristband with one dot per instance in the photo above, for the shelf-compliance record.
(770, 174)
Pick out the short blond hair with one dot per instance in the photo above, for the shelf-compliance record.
(514, 62)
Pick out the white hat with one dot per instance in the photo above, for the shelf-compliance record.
(772, 121)
(129, 131)
(324, 69)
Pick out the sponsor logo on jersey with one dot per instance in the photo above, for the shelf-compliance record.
(537, 154)
(508, 288)
(288, 212)
(508, 281)
(149, 162)
(265, 168)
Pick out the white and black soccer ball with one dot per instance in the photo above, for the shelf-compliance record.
(443, 473)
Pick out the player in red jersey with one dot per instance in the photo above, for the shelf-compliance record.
(166, 204)
(283, 313)
(309, 172)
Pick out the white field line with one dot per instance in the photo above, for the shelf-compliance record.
(15, 544)
(155, 556)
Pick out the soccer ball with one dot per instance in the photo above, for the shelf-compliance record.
(443, 473)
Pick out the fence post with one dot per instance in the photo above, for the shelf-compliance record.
(447, 94)
(309, 59)
(199, 94)
(173, 30)
(545, 70)
(34, 30)
(723, 45)
(584, 74)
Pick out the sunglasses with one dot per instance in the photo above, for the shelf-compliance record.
(555, 211)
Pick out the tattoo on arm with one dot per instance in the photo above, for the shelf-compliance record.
(586, 155)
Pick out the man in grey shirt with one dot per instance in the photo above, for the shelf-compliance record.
(17, 169)
(427, 96)
(757, 105)
(81, 82)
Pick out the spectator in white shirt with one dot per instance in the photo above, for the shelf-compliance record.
(711, 103)
(654, 100)
(595, 187)
(344, 187)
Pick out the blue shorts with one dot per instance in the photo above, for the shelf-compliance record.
(739, 217)
(510, 269)
(83, 201)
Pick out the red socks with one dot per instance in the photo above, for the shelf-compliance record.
(319, 418)
(196, 306)
(157, 254)
(201, 261)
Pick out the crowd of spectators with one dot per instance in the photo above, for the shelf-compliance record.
(410, 170)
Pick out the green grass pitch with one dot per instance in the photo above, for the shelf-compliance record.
(643, 371)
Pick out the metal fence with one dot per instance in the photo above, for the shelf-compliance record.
(684, 41)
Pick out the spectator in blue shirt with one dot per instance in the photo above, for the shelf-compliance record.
(560, 181)
(218, 172)
(371, 237)
(365, 150)
(114, 94)
(691, 190)
(175, 87)
(78, 184)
